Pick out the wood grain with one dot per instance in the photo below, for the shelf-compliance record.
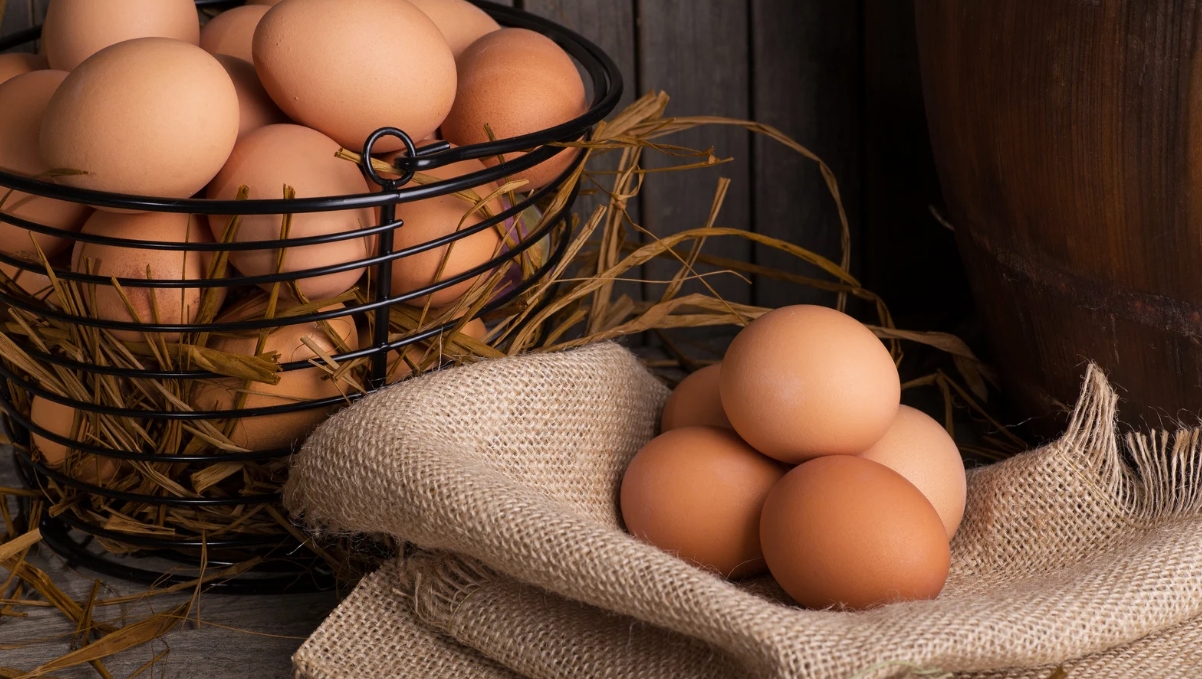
(698, 51)
(807, 83)
(611, 25)
(1067, 137)
(268, 629)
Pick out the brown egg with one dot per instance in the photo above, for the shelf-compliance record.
(697, 492)
(517, 82)
(847, 532)
(336, 68)
(13, 64)
(255, 108)
(432, 352)
(76, 29)
(265, 161)
(151, 117)
(232, 32)
(307, 384)
(427, 220)
(64, 421)
(920, 449)
(35, 284)
(25, 99)
(804, 381)
(695, 402)
(461, 22)
(169, 305)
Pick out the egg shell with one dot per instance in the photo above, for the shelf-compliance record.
(13, 64)
(461, 22)
(804, 381)
(266, 160)
(61, 420)
(697, 492)
(255, 108)
(233, 32)
(35, 284)
(845, 532)
(920, 449)
(76, 29)
(270, 432)
(174, 305)
(516, 82)
(151, 117)
(695, 402)
(25, 99)
(336, 68)
(426, 353)
(433, 218)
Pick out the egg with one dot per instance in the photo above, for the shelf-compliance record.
(76, 29)
(351, 67)
(13, 64)
(845, 532)
(168, 305)
(920, 449)
(516, 82)
(25, 99)
(695, 402)
(697, 492)
(804, 381)
(233, 31)
(433, 218)
(270, 432)
(269, 3)
(151, 117)
(461, 22)
(34, 283)
(65, 421)
(266, 160)
(255, 108)
(427, 353)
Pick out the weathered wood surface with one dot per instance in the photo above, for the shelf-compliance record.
(266, 630)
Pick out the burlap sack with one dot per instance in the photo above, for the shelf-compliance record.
(509, 470)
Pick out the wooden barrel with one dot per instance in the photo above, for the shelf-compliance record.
(1068, 137)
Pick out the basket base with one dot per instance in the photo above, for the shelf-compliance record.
(281, 572)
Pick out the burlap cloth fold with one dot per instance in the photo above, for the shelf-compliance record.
(505, 475)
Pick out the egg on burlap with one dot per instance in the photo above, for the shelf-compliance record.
(697, 492)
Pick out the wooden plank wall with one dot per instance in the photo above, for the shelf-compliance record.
(839, 77)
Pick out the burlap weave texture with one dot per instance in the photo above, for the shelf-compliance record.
(506, 474)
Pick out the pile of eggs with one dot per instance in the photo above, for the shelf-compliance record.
(794, 456)
(137, 97)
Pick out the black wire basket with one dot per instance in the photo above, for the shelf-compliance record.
(71, 527)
